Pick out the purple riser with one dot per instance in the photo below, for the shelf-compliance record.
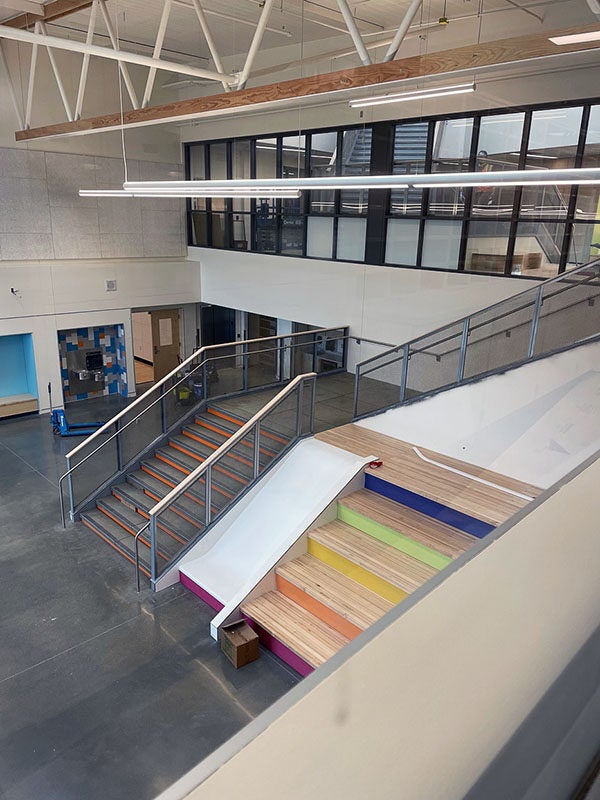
(280, 650)
(200, 592)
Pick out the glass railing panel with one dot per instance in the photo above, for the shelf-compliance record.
(175, 532)
(279, 425)
(141, 426)
(222, 371)
(500, 336)
(330, 350)
(262, 363)
(302, 350)
(93, 470)
(434, 361)
(379, 383)
(570, 310)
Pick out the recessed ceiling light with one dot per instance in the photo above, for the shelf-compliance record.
(576, 38)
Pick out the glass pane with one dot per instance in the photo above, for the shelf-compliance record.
(293, 159)
(410, 150)
(441, 244)
(379, 383)
(323, 157)
(486, 246)
(96, 470)
(402, 241)
(224, 371)
(263, 363)
(585, 244)
(538, 246)
(266, 227)
(302, 358)
(351, 237)
(143, 431)
(500, 335)
(218, 229)
(240, 171)
(292, 234)
(319, 239)
(588, 197)
(434, 361)
(266, 162)
(569, 311)
(199, 228)
(240, 231)
(218, 161)
(552, 145)
(451, 149)
(356, 160)
(498, 148)
(197, 172)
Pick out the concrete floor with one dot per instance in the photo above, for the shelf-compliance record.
(103, 693)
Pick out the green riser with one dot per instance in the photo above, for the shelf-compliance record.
(389, 536)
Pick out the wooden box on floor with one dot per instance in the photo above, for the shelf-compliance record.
(239, 643)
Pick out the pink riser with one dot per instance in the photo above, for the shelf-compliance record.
(200, 592)
(280, 650)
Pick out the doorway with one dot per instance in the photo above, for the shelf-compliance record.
(156, 343)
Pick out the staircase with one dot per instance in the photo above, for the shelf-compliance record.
(388, 540)
(120, 515)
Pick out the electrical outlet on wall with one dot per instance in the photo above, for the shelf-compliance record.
(111, 286)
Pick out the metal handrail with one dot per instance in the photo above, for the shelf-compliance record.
(206, 466)
(460, 320)
(183, 364)
(137, 553)
(240, 434)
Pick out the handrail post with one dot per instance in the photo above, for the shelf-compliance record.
(535, 321)
(163, 409)
(356, 384)
(153, 554)
(314, 359)
(119, 447)
(204, 381)
(463, 349)
(207, 494)
(313, 398)
(245, 367)
(70, 485)
(256, 451)
(299, 409)
(404, 378)
(281, 350)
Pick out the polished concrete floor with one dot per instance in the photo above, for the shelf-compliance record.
(104, 693)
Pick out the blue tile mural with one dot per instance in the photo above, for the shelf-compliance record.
(110, 339)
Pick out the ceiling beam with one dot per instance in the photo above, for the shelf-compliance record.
(469, 58)
(51, 11)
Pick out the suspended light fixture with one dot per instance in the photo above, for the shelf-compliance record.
(246, 193)
(576, 38)
(419, 94)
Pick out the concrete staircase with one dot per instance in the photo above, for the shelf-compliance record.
(119, 516)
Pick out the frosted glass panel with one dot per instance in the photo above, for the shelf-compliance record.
(319, 240)
(351, 237)
(441, 243)
(402, 240)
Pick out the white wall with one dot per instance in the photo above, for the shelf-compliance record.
(380, 303)
(421, 710)
(61, 295)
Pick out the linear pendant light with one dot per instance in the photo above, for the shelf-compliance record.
(576, 38)
(248, 193)
(420, 94)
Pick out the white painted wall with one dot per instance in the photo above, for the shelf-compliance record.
(380, 303)
(61, 295)
(424, 706)
(535, 423)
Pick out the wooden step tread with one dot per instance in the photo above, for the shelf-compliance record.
(395, 567)
(426, 530)
(346, 597)
(403, 467)
(297, 629)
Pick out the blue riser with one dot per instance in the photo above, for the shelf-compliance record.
(429, 507)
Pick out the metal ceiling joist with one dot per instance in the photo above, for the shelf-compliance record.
(160, 37)
(255, 43)
(115, 46)
(51, 11)
(11, 88)
(210, 41)
(104, 52)
(354, 32)
(334, 85)
(86, 61)
(402, 30)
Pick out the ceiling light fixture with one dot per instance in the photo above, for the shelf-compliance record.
(420, 94)
(576, 38)
(248, 193)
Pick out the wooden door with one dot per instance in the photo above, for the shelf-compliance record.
(165, 341)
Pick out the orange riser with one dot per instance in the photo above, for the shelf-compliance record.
(239, 424)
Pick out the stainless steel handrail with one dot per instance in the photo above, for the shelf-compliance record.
(530, 289)
(206, 466)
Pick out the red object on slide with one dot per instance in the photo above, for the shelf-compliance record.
(375, 464)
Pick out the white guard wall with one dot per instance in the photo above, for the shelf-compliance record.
(69, 294)
(394, 720)
(381, 303)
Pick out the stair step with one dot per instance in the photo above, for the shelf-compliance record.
(233, 462)
(277, 441)
(299, 630)
(181, 529)
(190, 504)
(244, 449)
(416, 534)
(229, 480)
(172, 476)
(332, 591)
(116, 537)
(376, 565)
(132, 522)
